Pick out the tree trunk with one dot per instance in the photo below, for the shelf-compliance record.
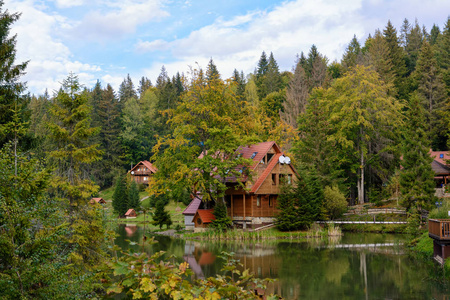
(361, 170)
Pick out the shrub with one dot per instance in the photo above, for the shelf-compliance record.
(335, 202)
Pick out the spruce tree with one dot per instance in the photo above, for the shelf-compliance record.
(396, 56)
(120, 197)
(161, 216)
(11, 101)
(71, 134)
(416, 176)
(431, 88)
(133, 196)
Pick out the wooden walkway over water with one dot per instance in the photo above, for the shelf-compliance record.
(361, 222)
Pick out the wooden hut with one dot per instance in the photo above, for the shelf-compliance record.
(203, 218)
(142, 172)
(130, 214)
(97, 200)
(190, 212)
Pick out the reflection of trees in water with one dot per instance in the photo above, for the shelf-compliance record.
(307, 272)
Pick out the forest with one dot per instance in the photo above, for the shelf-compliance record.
(365, 125)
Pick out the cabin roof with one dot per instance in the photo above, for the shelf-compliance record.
(439, 168)
(147, 164)
(206, 215)
(130, 211)
(98, 200)
(192, 208)
(260, 149)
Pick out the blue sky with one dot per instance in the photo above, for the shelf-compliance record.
(107, 39)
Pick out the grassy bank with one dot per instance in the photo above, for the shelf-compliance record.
(175, 210)
(268, 234)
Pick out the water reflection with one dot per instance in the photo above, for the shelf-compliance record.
(355, 266)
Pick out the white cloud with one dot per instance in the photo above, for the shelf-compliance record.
(50, 60)
(121, 18)
(68, 3)
(289, 29)
(156, 45)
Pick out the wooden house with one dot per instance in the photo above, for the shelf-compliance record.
(130, 214)
(142, 172)
(97, 200)
(256, 205)
(203, 218)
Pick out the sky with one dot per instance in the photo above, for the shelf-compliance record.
(106, 40)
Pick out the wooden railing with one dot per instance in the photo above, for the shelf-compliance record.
(439, 229)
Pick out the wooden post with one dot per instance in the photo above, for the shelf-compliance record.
(232, 200)
(244, 226)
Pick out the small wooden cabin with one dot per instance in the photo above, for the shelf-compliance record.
(203, 218)
(97, 200)
(130, 214)
(256, 206)
(142, 172)
(440, 167)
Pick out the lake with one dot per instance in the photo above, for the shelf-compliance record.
(356, 266)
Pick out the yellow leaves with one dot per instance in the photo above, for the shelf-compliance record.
(183, 266)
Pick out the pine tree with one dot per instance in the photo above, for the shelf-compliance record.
(120, 197)
(434, 34)
(352, 55)
(222, 221)
(144, 85)
(396, 56)
(126, 90)
(71, 133)
(11, 100)
(416, 176)
(443, 54)
(211, 72)
(133, 196)
(431, 88)
(161, 217)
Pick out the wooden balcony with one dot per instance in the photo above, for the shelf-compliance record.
(439, 229)
(142, 173)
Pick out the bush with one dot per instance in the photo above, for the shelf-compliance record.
(335, 202)
(222, 221)
(441, 212)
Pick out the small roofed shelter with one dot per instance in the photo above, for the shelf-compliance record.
(142, 172)
(190, 211)
(97, 200)
(203, 218)
(130, 214)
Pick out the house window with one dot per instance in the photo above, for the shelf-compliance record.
(145, 178)
(199, 221)
(253, 155)
(289, 181)
(258, 201)
(269, 156)
(274, 179)
(441, 155)
(270, 201)
(262, 161)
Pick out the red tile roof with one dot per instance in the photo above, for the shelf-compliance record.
(261, 150)
(98, 200)
(147, 164)
(206, 215)
(192, 208)
(437, 156)
(129, 212)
